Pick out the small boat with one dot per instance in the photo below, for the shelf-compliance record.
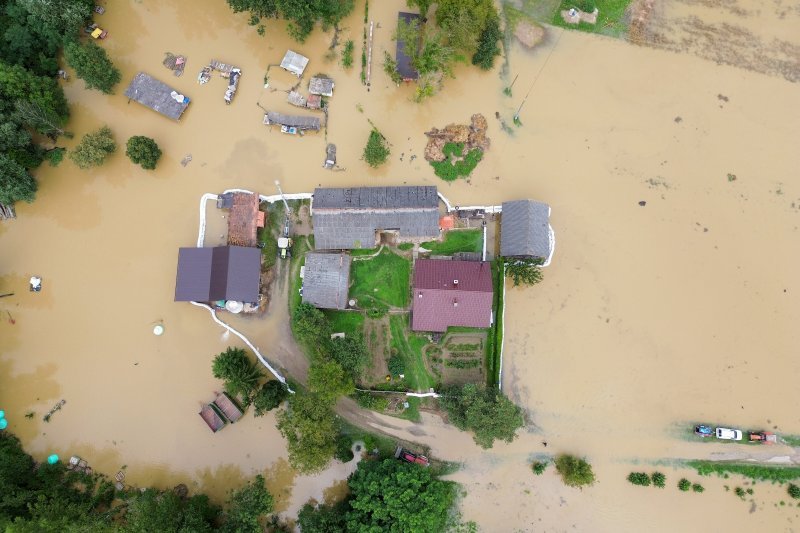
(291, 130)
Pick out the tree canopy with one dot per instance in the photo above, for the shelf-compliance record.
(154, 510)
(92, 65)
(269, 396)
(574, 471)
(484, 411)
(94, 148)
(351, 353)
(239, 373)
(524, 271)
(464, 20)
(329, 381)
(376, 152)
(246, 506)
(309, 426)
(302, 15)
(15, 182)
(143, 151)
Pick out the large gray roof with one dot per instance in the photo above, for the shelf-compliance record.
(302, 122)
(221, 273)
(376, 197)
(326, 280)
(525, 229)
(155, 94)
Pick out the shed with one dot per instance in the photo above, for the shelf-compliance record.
(326, 280)
(300, 122)
(211, 417)
(294, 63)
(525, 231)
(228, 407)
(351, 217)
(321, 85)
(221, 273)
(451, 293)
(243, 219)
(156, 95)
(314, 101)
(295, 98)
(404, 68)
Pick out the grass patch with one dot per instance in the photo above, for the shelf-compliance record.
(412, 411)
(384, 445)
(469, 240)
(383, 279)
(409, 347)
(363, 251)
(349, 322)
(775, 474)
(494, 341)
(791, 440)
(610, 20)
(299, 249)
(405, 246)
(268, 235)
(457, 163)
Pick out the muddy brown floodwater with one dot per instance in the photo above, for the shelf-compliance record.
(650, 317)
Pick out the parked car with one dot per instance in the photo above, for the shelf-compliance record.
(729, 434)
(703, 431)
(763, 437)
(409, 457)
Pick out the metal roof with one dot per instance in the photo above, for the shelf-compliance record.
(525, 229)
(156, 95)
(321, 85)
(304, 123)
(376, 197)
(326, 280)
(243, 219)
(294, 63)
(221, 273)
(404, 67)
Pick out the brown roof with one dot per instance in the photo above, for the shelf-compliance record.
(243, 220)
(212, 418)
(451, 293)
(228, 407)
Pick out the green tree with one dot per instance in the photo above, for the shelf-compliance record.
(94, 148)
(92, 65)
(26, 42)
(270, 396)
(575, 472)
(684, 484)
(17, 84)
(322, 518)
(309, 426)
(539, 467)
(422, 5)
(350, 352)
(64, 16)
(154, 510)
(464, 21)
(639, 478)
(376, 152)
(524, 271)
(143, 151)
(309, 324)
(659, 479)
(238, 372)
(390, 67)
(484, 411)
(393, 496)
(487, 45)
(301, 14)
(794, 491)
(329, 381)
(16, 184)
(246, 506)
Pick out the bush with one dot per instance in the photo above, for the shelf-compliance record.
(376, 152)
(639, 478)
(575, 471)
(371, 401)
(94, 148)
(659, 480)
(739, 491)
(390, 67)
(269, 396)
(539, 467)
(684, 484)
(344, 451)
(463, 363)
(454, 164)
(396, 365)
(487, 45)
(239, 374)
(92, 65)
(697, 487)
(794, 491)
(347, 54)
(143, 151)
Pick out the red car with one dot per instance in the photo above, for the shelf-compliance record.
(409, 457)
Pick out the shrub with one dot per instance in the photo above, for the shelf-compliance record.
(371, 401)
(455, 163)
(487, 45)
(794, 491)
(639, 478)
(659, 479)
(269, 396)
(539, 467)
(697, 487)
(463, 363)
(376, 152)
(575, 471)
(143, 151)
(390, 67)
(344, 451)
(739, 491)
(94, 148)
(347, 54)
(684, 484)
(396, 365)
(92, 65)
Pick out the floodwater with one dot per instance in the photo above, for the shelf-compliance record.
(650, 317)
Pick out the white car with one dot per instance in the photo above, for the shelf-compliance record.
(729, 434)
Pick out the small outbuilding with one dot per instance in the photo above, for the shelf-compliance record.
(525, 231)
(404, 67)
(294, 63)
(157, 95)
(221, 273)
(291, 121)
(244, 219)
(321, 85)
(326, 280)
(228, 407)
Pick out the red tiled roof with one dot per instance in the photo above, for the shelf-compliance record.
(439, 302)
(242, 220)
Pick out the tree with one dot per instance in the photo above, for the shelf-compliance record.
(301, 14)
(794, 491)
(64, 16)
(239, 374)
(329, 381)
(464, 20)
(422, 5)
(309, 426)
(154, 510)
(351, 352)
(269, 396)
(390, 68)
(576, 472)
(309, 324)
(247, 505)
(94, 148)
(376, 152)
(322, 518)
(484, 411)
(524, 271)
(487, 45)
(143, 151)
(684, 484)
(393, 496)
(16, 184)
(17, 84)
(92, 65)
(39, 118)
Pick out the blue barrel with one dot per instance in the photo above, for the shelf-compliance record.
(2, 414)
(53, 459)
(3, 423)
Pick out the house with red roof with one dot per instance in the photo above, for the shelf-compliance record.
(451, 293)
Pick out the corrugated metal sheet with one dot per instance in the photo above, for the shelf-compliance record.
(525, 229)
(294, 62)
(376, 197)
(221, 273)
(155, 94)
(326, 280)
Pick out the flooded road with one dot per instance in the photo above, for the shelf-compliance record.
(650, 317)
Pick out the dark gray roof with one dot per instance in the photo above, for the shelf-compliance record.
(326, 280)
(525, 229)
(154, 94)
(304, 123)
(321, 85)
(404, 67)
(376, 198)
(221, 273)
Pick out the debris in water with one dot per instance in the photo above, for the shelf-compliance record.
(642, 203)
(678, 120)
(185, 161)
(722, 97)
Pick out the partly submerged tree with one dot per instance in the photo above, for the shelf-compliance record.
(376, 152)
(92, 65)
(143, 151)
(16, 184)
(523, 271)
(155, 510)
(308, 424)
(575, 471)
(238, 372)
(302, 15)
(329, 381)
(463, 21)
(63, 16)
(484, 411)
(246, 506)
(20, 85)
(270, 396)
(94, 148)
(487, 45)
(323, 518)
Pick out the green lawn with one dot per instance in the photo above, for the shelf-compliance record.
(299, 249)
(382, 280)
(468, 240)
(494, 340)
(268, 235)
(349, 322)
(409, 347)
(610, 20)
(362, 251)
(774, 473)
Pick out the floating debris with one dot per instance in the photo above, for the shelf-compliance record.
(56, 407)
(186, 160)
(176, 63)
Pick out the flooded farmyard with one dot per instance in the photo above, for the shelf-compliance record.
(670, 299)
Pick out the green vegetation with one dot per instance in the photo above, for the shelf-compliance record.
(794, 491)
(487, 45)
(384, 279)
(246, 507)
(539, 467)
(639, 478)
(309, 427)
(396, 365)
(462, 363)
(739, 491)
(456, 163)
(328, 380)
(347, 54)
(407, 347)
(659, 480)
(494, 340)
(270, 396)
(776, 474)
(302, 15)
(610, 19)
(143, 151)
(94, 148)
(465, 21)
(697, 487)
(268, 235)
(405, 246)
(239, 373)
(376, 402)
(347, 322)
(16, 184)
(390, 67)
(791, 440)
(92, 65)
(575, 472)
(524, 271)
(684, 484)
(376, 152)
(484, 411)
(467, 240)
(351, 353)
(155, 510)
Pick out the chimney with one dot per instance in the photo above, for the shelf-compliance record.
(420, 295)
(455, 283)
(455, 302)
